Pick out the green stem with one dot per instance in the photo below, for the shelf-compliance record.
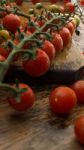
(18, 12)
(6, 64)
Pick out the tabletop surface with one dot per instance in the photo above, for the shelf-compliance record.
(39, 128)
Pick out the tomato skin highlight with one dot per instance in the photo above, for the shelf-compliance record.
(27, 99)
(62, 100)
(66, 36)
(79, 129)
(49, 48)
(78, 88)
(39, 66)
(11, 22)
(57, 42)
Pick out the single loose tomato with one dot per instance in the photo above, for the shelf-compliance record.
(57, 42)
(62, 100)
(39, 66)
(79, 129)
(27, 99)
(78, 88)
(11, 22)
(66, 36)
(70, 27)
(49, 48)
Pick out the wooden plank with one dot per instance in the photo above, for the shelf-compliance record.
(38, 128)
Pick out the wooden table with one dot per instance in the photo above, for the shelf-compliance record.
(39, 128)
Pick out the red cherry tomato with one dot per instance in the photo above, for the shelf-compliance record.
(81, 2)
(11, 22)
(54, 1)
(66, 1)
(19, 2)
(49, 48)
(32, 28)
(78, 88)
(39, 66)
(27, 99)
(66, 36)
(57, 42)
(5, 52)
(79, 129)
(69, 7)
(2, 58)
(70, 27)
(62, 100)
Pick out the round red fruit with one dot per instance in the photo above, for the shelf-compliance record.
(39, 66)
(78, 88)
(11, 22)
(62, 100)
(27, 99)
(79, 129)
(49, 48)
(57, 42)
(66, 36)
(70, 27)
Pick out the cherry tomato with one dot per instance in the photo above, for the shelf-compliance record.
(35, 1)
(49, 48)
(78, 88)
(81, 2)
(32, 29)
(41, 22)
(2, 58)
(19, 2)
(39, 66)
(62, 100)
(74, 23)
(53, 1)
(66, 36)
(77, 19)
(27, 99)
(53, 8)
(66, 1)
(70, 27)
(69, 7)
(79, 129)
(61, 9)
(57, 42)
(5, 52)
(5, 34)
(11, 22)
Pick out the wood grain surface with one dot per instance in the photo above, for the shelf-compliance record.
(39, 128)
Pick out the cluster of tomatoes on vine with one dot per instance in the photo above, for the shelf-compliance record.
(54, 39)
